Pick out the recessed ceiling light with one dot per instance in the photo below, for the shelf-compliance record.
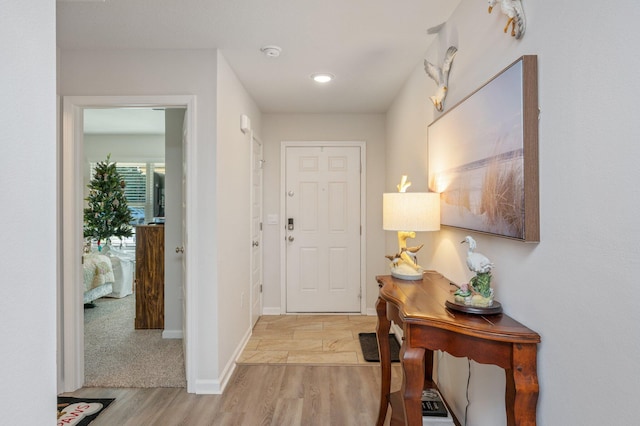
(271, 51)
(322, 77)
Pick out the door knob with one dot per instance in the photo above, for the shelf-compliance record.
(255, 244)
(179, 249)
(291, 238)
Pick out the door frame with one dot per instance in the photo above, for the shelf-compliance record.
(71, 223)
(363, 214)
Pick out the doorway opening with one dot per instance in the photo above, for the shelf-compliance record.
(132, 334)
(72, 168)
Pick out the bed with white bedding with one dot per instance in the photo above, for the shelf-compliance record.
(123, 267)
(98, 276)
(108, 274)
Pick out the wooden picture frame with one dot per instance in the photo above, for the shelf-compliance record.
(483, 156)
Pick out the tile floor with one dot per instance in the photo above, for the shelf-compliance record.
(308, 339)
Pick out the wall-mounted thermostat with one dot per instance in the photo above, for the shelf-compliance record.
(245, 123)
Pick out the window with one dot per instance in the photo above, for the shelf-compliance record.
(144, 191)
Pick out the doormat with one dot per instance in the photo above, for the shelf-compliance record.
(80, 411)
(369, 345)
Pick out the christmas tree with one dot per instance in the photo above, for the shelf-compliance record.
(107, 213)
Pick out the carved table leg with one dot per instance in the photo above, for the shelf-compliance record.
(382, 333)
(522, 386)
(412, 380)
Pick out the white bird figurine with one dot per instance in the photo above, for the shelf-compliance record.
(441, 76)
(476, 262)
(514, 11)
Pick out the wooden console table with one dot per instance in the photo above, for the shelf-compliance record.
(419, 308)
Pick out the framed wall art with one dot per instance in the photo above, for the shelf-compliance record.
(483, 156)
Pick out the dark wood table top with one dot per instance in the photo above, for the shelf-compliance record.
(423, 303)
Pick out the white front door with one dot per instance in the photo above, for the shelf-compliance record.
(256, 230)
(322, 220)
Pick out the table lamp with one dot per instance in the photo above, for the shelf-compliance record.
(408, 213)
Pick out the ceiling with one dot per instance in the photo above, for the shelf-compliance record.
(371, 46)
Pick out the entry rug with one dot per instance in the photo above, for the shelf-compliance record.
(369, 345)
(80, 411)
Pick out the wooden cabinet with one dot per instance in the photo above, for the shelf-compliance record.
(149, 276)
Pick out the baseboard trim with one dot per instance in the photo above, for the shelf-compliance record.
(172, 334)
(395, 329)
(271, 311)
(208, 387)
(216, 387)
(371, 312)
(226, 374)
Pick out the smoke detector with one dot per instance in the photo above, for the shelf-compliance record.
(271, 51)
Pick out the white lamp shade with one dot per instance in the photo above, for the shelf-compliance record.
(411, 211)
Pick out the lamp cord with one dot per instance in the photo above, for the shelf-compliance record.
(466, 409)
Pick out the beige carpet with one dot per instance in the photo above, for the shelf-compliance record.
(117, 355)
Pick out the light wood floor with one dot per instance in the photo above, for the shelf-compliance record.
(278, 395)
(263, 393)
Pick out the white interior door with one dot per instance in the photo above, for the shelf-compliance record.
(322, 205)
(174, 227)
(185, 152)
(256, 229)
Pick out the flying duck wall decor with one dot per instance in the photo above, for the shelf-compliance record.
(514, 11)
(441, 76)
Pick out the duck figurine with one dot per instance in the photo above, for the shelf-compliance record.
(395, 259)
(441, 76)
(515, 14)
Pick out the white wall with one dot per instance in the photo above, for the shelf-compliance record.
(124, 148)
(167, 72)
(233, 212)
(323, 127)
(572, 287)
(28, 225)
